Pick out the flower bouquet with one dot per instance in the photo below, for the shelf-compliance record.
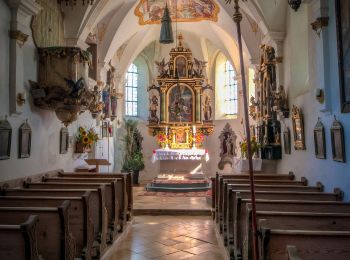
(255, 146)
(85, 139)
(199, 138)
(162, 139)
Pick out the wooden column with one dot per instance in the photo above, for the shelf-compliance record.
(237, 17)
(198, 113)
(163, 117)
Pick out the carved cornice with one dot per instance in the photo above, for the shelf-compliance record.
(19, 36)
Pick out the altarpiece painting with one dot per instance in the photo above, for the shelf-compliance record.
(180, 104)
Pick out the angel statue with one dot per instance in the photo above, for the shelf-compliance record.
(161, 68)
(199, 67)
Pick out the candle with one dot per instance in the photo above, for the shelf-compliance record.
(194, 129)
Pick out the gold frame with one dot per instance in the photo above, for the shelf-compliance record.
(174, 144)
(298, 132)
(139, 14)
(186, 65)
(193, 104)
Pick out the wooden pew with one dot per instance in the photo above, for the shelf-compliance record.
(227, 214)
(320, 245)
(54, 240)
(126, 176)
(276, 195)
(115, 188)
(97, 200)
(294, 221)
(80, 224)
(100, 216)
(19, 241)
(237, 229)
(221, 177)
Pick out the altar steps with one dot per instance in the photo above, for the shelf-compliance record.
(178, 187)
(172, 212)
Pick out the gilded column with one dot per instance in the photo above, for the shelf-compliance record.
(163, 117)
(198, 104)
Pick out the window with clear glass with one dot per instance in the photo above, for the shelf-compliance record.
(231, 100)
(131, 91)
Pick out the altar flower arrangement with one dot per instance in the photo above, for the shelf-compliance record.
(199, 138)
(162, 139)
(85, 138)
(255, 146)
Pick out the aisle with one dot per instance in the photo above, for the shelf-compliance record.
(168, 238)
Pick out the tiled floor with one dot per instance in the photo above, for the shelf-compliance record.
(168, 238)
(154, 202)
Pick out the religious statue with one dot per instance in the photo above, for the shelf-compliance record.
(281, 101)
(111, 75)
(227, 146)
(199, 67)
(207, 108)
(252, 108)
(153, 108)
(162, 72)
(113, 104)
(106, 100)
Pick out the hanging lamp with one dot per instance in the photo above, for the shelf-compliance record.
(166, 31)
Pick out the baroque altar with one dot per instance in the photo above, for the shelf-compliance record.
(180, 101)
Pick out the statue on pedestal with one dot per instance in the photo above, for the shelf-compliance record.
(153, 108)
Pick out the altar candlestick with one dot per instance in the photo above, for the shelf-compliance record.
(194, 129)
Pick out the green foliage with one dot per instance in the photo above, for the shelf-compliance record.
(133, 157)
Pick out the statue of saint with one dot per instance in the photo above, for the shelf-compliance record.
(207, 108)
(153, 107)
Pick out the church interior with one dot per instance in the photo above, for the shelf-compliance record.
(174, 129)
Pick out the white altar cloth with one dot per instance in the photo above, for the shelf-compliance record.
(179, 154)
(242, 165)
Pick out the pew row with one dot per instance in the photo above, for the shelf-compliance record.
(228, 185)
(94, 210)
(221, 177)
(80, 224)
(311, 244)
(227, 214)
(115, 189)
(53, 238)
(102, 191)
(126, 176)
(237, 230)
(19, 241)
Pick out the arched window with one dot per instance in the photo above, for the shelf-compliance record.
(230, 89)
(131, 91)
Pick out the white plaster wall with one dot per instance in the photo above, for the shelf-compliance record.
(45, 125)
(304, 163)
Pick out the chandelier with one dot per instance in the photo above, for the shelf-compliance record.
(74, 2)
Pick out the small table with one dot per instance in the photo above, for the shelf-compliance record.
(97, 162)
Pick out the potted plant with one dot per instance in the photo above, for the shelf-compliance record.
(133, 157)
(85, 138)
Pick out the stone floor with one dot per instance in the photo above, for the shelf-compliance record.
(154, 202)
(168, 238)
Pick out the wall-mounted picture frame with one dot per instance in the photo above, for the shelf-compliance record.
(286, 141)
(342, 9)
(298, 128)
(320, 140)
(5, 139)
(337, 139)
(25, 140)
(64, 140)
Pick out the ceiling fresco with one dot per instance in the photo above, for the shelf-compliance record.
(151, 11)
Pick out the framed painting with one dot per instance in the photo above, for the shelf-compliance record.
(286, 141)
(25, 140)
(181, 67)
(298, 129)
(180, 138)
(320, 140)
(180, 104)
(337, 139)
(342, 9)
(5, 139)
(64, 140)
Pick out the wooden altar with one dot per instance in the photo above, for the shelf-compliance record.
(181, 122)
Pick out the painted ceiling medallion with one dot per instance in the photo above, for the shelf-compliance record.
(151, 11)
